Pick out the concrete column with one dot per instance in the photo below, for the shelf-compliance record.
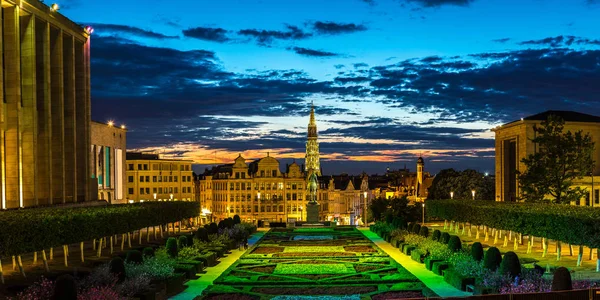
(28, 117)
(57, 100)
(2, 120)
(88, 103)
(69, 118)
(82, 122)
(44, 116)
(12, 91)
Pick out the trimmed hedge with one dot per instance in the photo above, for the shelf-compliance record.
(552, 221)
(28, 230)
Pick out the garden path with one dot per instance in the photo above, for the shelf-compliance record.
(195, 287)
(435, 282)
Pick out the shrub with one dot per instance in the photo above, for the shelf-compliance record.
(134, 256)
(236, 220)
(172, 247)
(389, 218)
(201, 234)
(117, 268)
(510, 264)
(182, 241)
(492, 258)
(188, 253)
(43, 289)
(148, 252)
(65, 288)
(416, 229)
(99, 293)
(562, 280)
(424, 232)
(464, 264)
(436, 235)
(477, 251)
(156, 267)
(399, 223)
(213, 228)
(410, 227)
(454, 243)
(444, 238)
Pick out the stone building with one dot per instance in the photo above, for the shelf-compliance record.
(403, 182)
(151, 178)
(107, 161)
(45, 119)
(513, 143)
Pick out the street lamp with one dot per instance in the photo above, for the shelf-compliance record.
(171, 197)
(258, 196)
(365, 210)
(451, 195)
(423, 206)
(301, 213)
(154, 196)
(473, 193)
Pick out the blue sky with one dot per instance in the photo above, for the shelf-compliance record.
(206, 80)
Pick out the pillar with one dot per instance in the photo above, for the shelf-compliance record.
(82, 123)
(28, 116)
(44, 116)
(12, 99)
(56, 100)
(69, 118)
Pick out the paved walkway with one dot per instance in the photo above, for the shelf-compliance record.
(435, 282)
(195, 287)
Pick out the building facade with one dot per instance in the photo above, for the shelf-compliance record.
(107, 161)
(45, 119)
(150, 178)
(513, 143)
(403, 182)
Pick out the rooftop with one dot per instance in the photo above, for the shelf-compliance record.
(566, 115)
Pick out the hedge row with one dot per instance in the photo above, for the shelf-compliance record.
(572, 224)
(29, 230)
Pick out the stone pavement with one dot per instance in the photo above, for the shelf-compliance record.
(195, 287)
(435, 282)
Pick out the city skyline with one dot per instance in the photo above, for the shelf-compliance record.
(390, 79)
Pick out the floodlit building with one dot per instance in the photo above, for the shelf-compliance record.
(513, 143)
(45, 119)
(107, 160)
(151, 178)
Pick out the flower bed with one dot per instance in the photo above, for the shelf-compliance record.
(353, 265)
(267, 250)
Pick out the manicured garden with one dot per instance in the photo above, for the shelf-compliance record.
(336, 262)
(470, 267)
(145, 272)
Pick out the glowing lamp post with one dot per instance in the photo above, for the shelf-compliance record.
(171, 197)
(54, 7)
(451, 195)
(423, 220)
(365, 210)
(154, 196)
(473, 193)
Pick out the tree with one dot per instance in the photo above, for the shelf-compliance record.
(560, 158)
(377, 207)
(462, 183)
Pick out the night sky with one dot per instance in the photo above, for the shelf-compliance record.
(206, 80)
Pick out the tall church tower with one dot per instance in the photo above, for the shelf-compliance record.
(311, 160)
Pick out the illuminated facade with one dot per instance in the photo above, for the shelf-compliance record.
(513, 143)
(107, 159)
(45, 88)
(151, 178)
(311, 158)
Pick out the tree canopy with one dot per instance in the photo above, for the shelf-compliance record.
(394, 208)
(561, 157)
(462, 183)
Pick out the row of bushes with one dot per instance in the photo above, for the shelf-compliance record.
(144, 272)
(552, 221)
(30, 230)
(487, 271)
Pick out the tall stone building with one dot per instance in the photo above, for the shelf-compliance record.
(107, 161)
(311, 159)
(45, 119)
(260, 191)
(513, 143)
(151, 178)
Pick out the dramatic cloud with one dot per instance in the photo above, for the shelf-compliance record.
(312, 52)
(207, 34)
(437, 3)
(503, 40)
(337, 28)
(562, 41)
(267, 36)
(103, 29)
